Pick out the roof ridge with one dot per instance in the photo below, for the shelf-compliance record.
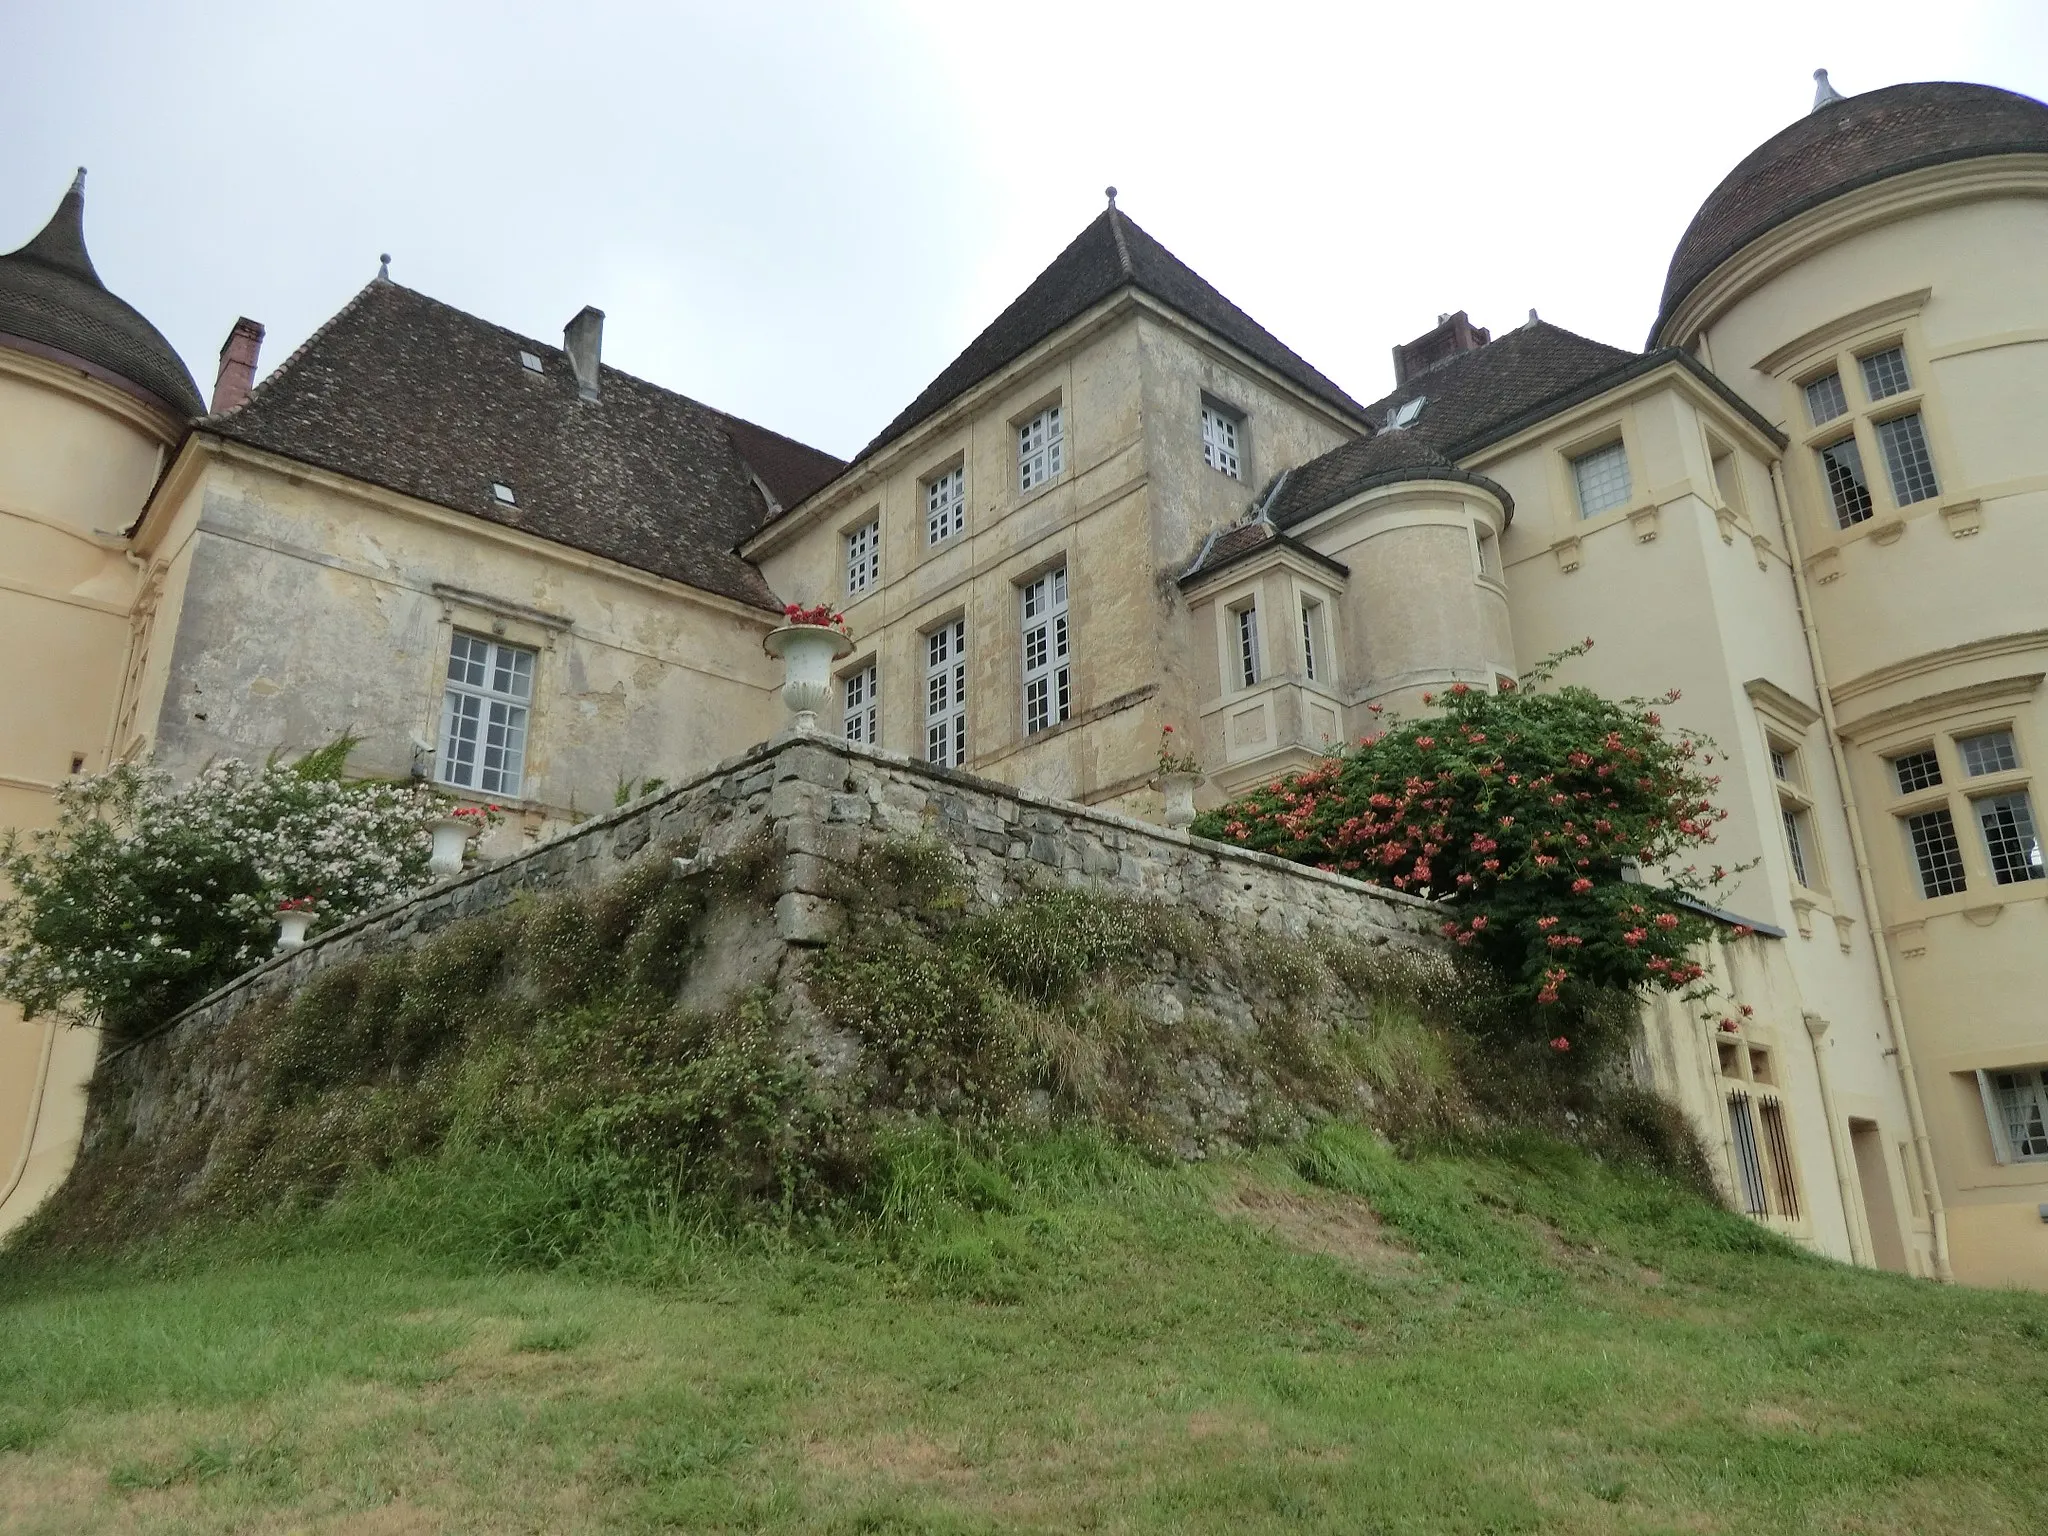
(1116, 232)
(316, 334)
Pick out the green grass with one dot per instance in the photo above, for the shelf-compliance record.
(1052, 1336)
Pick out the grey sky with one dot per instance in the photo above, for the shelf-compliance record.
(801, 212)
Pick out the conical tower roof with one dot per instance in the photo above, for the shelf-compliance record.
(53, 304)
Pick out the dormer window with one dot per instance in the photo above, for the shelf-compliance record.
(503, 493)
(530, 361)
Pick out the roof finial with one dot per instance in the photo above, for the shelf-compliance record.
(1824, 94)
(78, 182)
(1110, 193)
(384, 268)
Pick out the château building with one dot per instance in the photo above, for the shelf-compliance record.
(1815, 501)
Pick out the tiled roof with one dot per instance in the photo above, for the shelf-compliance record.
(1839, 147)
(51, 298)
(1241, 541)
(1362, 464)
(1473, 392)
(408, 393)
(1111, 253)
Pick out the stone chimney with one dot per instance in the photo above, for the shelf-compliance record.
(237, 374)
(583, 340)
(1453, 334)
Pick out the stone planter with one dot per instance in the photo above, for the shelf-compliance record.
(291, 928)
(1179, 789)
(451, 837)
(806, 652)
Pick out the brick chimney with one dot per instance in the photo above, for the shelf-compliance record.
(1453, 334)
(237, 374)
(583, 340)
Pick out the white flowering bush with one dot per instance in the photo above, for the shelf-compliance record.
(146, 895)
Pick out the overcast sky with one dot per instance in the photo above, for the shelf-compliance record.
(800, 213)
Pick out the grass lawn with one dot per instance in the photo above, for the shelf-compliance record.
(1062, 1338)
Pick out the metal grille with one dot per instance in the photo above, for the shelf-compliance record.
(1884, 374)
(1841, 466)
(862, 707)
(1048, 671)
(1795, 843)
(1784, 1184)
(1311, 621)
(1219, 441)
(1825, 400)
(1248, 645)
(945, 694)
(1749, 1167)
(1602, 477)
(2023, 1107)
(864, 557)
(945, 506)
(1917, 771)
(1988, 752)
(2010, 841)
(484, 715)
(1040, 442)
(1936, 852)
(1905, 456)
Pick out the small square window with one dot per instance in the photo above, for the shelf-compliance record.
(503, 492)
(1884, 373)
(1916, 771)
(1936, 852)
(1906, 459)
(1841, 466)
(1825, 399)
(1987, 752)
(945, 505)
(1220, 432)
(530, 361)
(1602, 479)
(864, 557)
(2010, 841)
(1041, 448)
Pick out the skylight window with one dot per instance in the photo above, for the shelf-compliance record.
(1405, 413)
(530, 361)
(503, 492)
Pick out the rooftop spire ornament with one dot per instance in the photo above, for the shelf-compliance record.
(384, 268)
(1824, 94)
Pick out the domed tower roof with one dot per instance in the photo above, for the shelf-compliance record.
(52, 303)
(1842, 144)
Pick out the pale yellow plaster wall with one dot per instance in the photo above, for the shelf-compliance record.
(1931, 615)
(77, 458)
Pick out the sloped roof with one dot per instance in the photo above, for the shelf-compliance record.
(1471, 393)
(1110, 254)
(1842, 146)
(53, 299)
(1363, 464)
(405, 392)
(1243, 540)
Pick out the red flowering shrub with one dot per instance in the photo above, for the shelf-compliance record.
(1519, 812)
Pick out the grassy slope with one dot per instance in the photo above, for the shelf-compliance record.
(1065, 1340)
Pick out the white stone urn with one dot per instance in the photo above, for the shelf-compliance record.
(807, 652)
(451, 837)
(292, 923)
(1179, 789)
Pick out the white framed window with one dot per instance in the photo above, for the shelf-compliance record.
(1048, 659)
(1937, 854)
(945, 694)
(2011, 842)
(2016, 1104)
(1247, 621)
(860, 707)
(1221, 430)
(1986, 752)
(1906, 459)
(1799, 844)
(1041, 449)
(1884, 374)
(945, 505)
(484, 713)
(1841, 470)
(1602, 479)
(864, 557)
(1915, 771)
(1312, 632)
(1825, 399)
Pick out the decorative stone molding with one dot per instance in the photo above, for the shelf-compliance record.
(1642, 521)
(1986, 914)
(1911, 939)
(1724, 518)
(1567, 552)
(1824, 567)
(1963, 517)
(1845, 931)
(1888, 532)
(1762, 547)
(1803, 908)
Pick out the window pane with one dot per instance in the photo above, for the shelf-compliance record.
(1219, 441)
(860, 707)
(1905, 456)
(945, 694)
(2023, 1106)
(1825, 400)
(1989, 752)
(1602, 478)
(1936, 852)
(1047, 679)
(484, 715)
(945, 506)
(2007, 822)
(1917, 771)
(1311, 613)
(1841, 466)
(1795, 843)
(1884, 373)
(1248, 646)
(863, 557)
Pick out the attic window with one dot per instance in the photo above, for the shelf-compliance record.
(530, 361)
(1405, 413)
(504, 493)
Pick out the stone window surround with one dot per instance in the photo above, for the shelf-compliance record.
(1241, 419)
(1616, 425)
(925, 543)
(1052, 399)
(515, 623)
(871, 516)
(1280, 655)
